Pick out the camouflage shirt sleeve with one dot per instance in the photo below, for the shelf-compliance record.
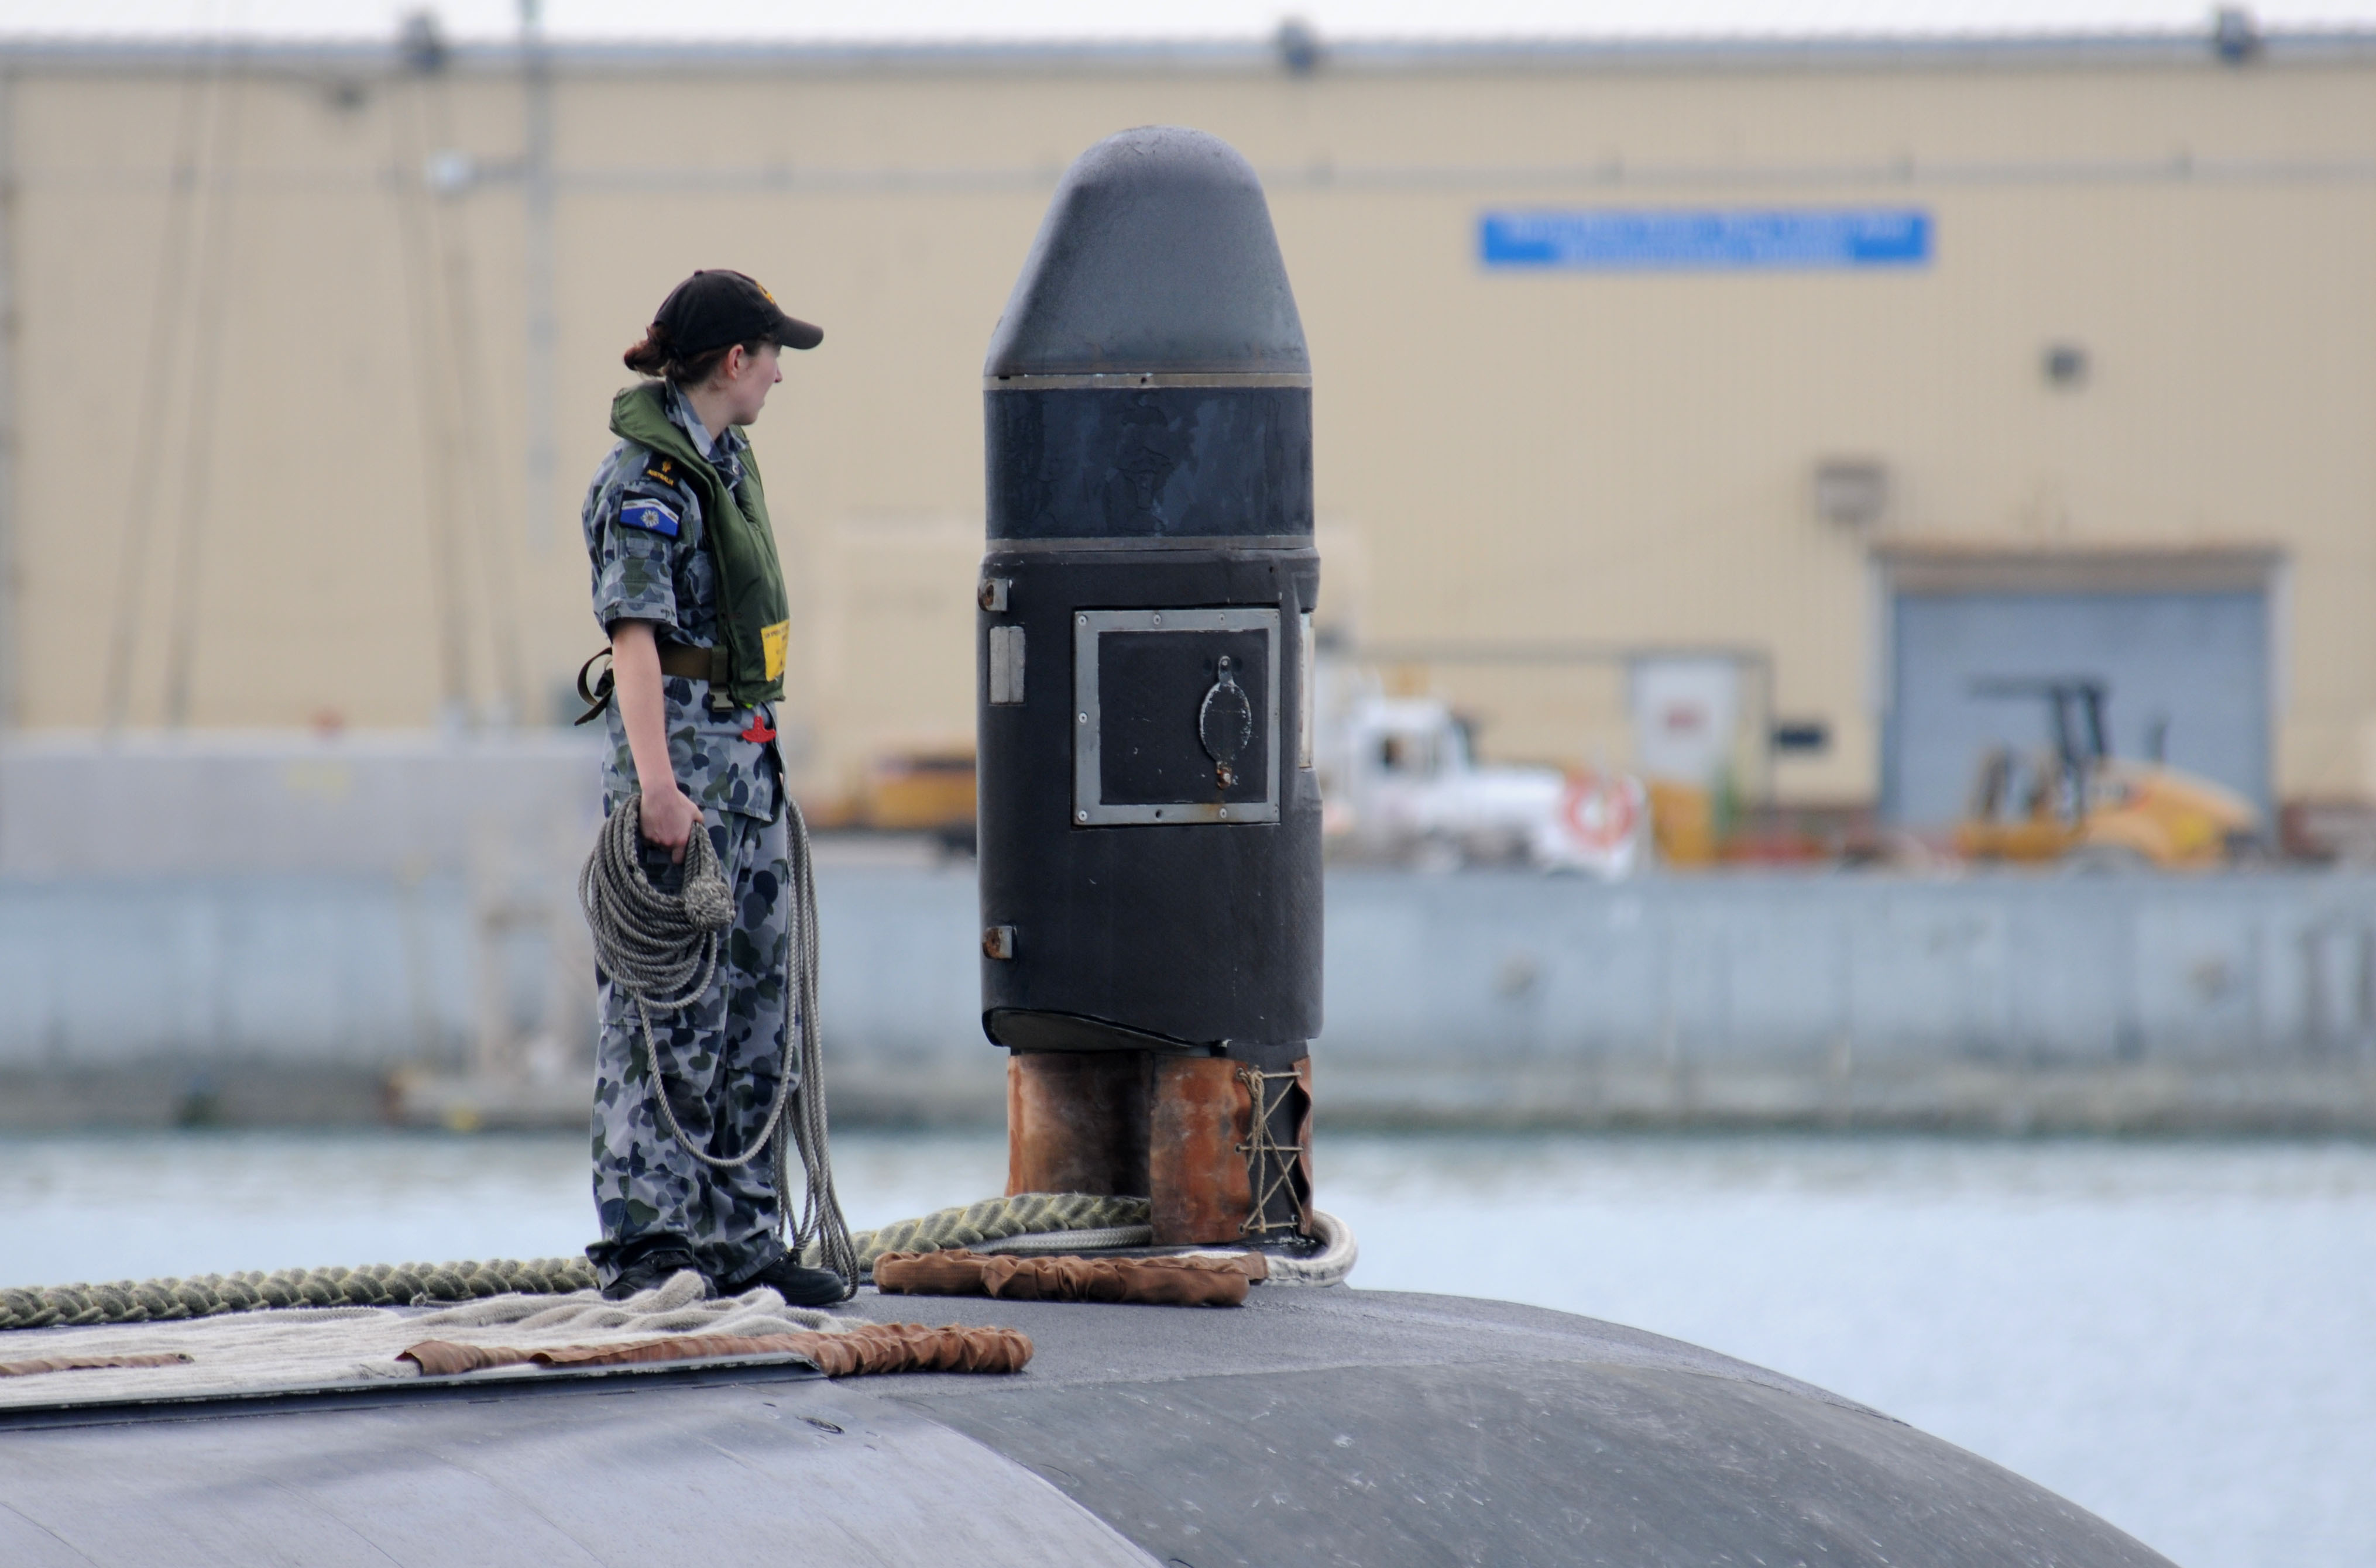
(640, 527)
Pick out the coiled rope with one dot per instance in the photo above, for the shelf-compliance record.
(661, 949)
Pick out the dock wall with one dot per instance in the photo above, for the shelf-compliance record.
(2239, 1002)
(2003, 1001)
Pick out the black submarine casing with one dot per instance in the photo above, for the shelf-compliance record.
(1149, 840)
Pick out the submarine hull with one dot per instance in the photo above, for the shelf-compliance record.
(1309, 1426)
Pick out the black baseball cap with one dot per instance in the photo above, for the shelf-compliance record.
(715, 307)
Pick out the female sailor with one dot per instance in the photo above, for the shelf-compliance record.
(689, 591)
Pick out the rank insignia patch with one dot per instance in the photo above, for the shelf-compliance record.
(650, 515)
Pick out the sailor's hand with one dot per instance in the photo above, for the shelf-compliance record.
(667, 818)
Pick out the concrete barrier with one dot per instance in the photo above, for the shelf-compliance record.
(2007, 1000)
(252, 803)
(2238, 1001)
(276, 928)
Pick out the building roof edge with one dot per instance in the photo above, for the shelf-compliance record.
(1350, 55)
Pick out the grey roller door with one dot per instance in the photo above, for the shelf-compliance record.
(2194, 664)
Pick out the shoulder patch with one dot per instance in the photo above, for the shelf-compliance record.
(641, 512)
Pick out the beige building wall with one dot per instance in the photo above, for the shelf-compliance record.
(271, 411)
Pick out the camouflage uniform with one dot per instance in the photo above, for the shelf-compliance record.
(644, 535)
(719, 1057)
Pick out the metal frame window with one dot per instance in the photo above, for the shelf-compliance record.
(1089, 808)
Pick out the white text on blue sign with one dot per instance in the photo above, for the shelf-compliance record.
(1703, 240)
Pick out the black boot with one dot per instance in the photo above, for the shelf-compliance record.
(799, 1287)
(644, 1264)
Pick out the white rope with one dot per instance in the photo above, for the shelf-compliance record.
(821, 1223)
(1330, 1266)
(1059, 1241)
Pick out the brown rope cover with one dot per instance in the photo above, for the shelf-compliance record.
(876, 1348)
(91, 1363)
(1163, 1281)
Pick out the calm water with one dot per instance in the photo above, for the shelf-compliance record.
(2180, 1336)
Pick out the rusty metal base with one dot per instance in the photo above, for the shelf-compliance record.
(1076, 1122)
(1181, 1131)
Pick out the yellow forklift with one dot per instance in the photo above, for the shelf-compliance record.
(2078, 803)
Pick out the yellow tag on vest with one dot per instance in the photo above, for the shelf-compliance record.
(772, 640)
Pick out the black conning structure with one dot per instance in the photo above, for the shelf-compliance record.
(1149, 819)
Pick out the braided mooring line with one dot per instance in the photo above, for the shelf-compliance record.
(994, 1219)
(423, 1284)
(209, 1295)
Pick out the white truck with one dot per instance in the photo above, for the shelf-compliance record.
(1399, 782)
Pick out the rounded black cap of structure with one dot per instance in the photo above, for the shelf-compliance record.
(1157, 255)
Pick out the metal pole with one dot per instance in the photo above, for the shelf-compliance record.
(11, 713)
(536, 188)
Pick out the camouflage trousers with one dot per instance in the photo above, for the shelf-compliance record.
(719, 1059)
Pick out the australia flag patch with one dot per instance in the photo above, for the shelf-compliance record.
(649, 516)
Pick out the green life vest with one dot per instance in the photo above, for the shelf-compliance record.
(754, 623)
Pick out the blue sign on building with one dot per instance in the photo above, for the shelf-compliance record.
(1682, 240)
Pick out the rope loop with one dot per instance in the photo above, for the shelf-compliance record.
(661, 949)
